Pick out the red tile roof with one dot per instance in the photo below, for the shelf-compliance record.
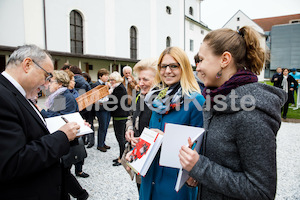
(267, 23)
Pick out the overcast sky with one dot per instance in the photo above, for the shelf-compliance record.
(215, 13)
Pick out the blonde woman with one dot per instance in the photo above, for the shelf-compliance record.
(60, 100)
(175, 86)
(119, 113)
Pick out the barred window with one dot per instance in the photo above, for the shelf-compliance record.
(76, 32)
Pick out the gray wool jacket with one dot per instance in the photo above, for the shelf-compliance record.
(238, 158)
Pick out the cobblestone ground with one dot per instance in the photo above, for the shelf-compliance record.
(108, 182)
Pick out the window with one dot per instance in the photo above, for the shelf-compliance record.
(295, 21)
(191, 11)
(237, 19)
(168, 42)
(76, 32)
(238, 28)
(168, 10)
(191, 45)
(133, 43)
(202, 32)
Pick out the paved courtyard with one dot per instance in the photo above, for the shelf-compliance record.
(109, 182)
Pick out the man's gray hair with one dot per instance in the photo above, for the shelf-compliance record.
(34, 52)
(127, 67)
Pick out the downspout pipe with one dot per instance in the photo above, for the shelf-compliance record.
(45, 25)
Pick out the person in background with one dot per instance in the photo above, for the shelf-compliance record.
(61, 102)
(145, 71)
(241, 119)
(30, 156)
(103, 115)
(175, 84)
(87, 78)
(289, 85)
(65, 67)
(296, 76)
(82, 86)
(119, 114)
(197, 75)
(129, 83)
(275, 77)
(71, 85)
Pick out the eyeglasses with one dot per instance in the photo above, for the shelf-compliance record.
(49, 75)
(172, 66)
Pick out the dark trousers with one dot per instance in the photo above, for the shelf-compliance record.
(78, 167)
(103, 117)
(71, 186)
(119, 128)
(285, 109)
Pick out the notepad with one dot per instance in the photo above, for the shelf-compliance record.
(183, 175)
(145, 150)
(54, 123)
(176, 136)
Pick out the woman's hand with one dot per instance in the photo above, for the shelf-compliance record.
(129, 159)
(188, 157)
(192, 182)
(129, 135)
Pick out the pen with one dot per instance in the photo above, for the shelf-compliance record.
(65, 119)
(194, 145)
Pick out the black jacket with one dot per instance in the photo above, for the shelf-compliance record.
(292, 83)
(118, 93)
(29, 155)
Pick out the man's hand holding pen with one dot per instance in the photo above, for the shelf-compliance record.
(70, 129)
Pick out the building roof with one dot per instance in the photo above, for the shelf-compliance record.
(267, 23)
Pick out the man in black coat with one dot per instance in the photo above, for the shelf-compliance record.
(275, 78)
(30, 156)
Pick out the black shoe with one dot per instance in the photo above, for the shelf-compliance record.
(115, 160)
(90, 145)
(284, 117)
(82, 174)
(103, 149)
(106, 147)
(116, 164)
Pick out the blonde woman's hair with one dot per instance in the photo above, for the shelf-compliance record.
(146, 64)
(61, 77)
(187, 80)
(244, 46)
(116, 76)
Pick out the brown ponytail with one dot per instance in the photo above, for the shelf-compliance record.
(255, 56)
(243, 45)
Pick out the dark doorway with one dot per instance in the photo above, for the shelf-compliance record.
(2, 63)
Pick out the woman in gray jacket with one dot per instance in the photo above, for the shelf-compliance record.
(241, 118)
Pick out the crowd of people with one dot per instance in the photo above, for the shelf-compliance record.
(288, 81)
(237, 159)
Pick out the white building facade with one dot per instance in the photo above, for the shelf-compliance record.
(93, 34)
(240, 19)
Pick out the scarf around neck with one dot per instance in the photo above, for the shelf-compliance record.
(242, 77)
(164, 100)
(50, 100)
(284, 84)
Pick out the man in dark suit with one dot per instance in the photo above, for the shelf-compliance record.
(276, 76)
(29, 155)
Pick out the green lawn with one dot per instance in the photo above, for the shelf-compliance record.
(293, 114)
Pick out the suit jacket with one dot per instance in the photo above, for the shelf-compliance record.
(30, 157)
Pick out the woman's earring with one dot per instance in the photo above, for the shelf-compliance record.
(219, 74)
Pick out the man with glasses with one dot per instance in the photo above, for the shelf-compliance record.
(30, 156)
